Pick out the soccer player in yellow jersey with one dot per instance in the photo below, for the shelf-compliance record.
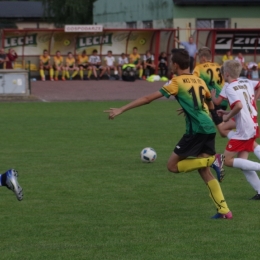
(210, 72)
(199, 140)
(45, 64)
(135, 59)
(58, 65)
(83, 64)
(71, 66)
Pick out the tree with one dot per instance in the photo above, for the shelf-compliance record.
(62, 12)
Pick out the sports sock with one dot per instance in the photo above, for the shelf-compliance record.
(57, 74)
(257, 151)
(216, 119)
(230, 134)
(246, 165)
(74, 73)
(141, 73)
(253, 179)
(51, 73)
(67, 74)
(42, 73)
(81, 73)
(217, 196)
(191, 164)
(3, 179)
(89, 73)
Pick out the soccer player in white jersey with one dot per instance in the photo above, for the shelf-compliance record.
(226, 129)
(240, 95)
(95, 64)
(110, 64)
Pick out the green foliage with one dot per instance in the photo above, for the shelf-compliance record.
(88, 196)
(63, 12)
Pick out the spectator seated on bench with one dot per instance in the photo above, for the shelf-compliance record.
(45, 64)
(135, 59)
(149, 66)
(58, 65)
(110, 65)
(71, 66)
(83, 64)
(95, 64)
(122, 60)
(252, 69)
(163, 65)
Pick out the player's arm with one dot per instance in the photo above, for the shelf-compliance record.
(177, 40)
(216, 100)
(113, 112)
(235, 110)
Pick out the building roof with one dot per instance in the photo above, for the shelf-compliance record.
(21, 9)
(216, 2)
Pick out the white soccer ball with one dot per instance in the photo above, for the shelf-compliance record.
(148, 155)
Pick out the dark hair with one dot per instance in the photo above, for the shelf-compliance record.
(94, 51)
(69, 52)
(45, 50)
(57, 52)
(84, 52)
(182, 58)
(135, 48)
(109, 52)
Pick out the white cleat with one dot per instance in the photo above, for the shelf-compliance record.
(12, 183)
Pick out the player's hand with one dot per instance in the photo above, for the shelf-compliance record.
(225, 118)
(213, 93)
(221, 112)
(180, 111)
(113, 112)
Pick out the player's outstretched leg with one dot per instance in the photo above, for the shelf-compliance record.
(216, 162)
(9, 179)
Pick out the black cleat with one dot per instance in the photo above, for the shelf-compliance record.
(256, 197)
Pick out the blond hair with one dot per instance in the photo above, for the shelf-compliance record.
(233, 68)
(205, 53)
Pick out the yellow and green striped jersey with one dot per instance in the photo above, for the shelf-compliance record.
(191, 92)
(210, 73)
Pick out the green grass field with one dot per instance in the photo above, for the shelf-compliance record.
(87, 195)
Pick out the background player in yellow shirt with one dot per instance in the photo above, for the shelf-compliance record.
(210, 72)
(71, 66)
(199, 140)
(83, 64)
(45, 64)
(58, 65)
(135, 59)
(227, 56)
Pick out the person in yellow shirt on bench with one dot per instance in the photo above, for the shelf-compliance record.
(135, 59)
(58, 65)
(71, 66)
(83, 64)
(227, 56)
(45, 64)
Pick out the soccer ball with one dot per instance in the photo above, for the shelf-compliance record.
(148, 155)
